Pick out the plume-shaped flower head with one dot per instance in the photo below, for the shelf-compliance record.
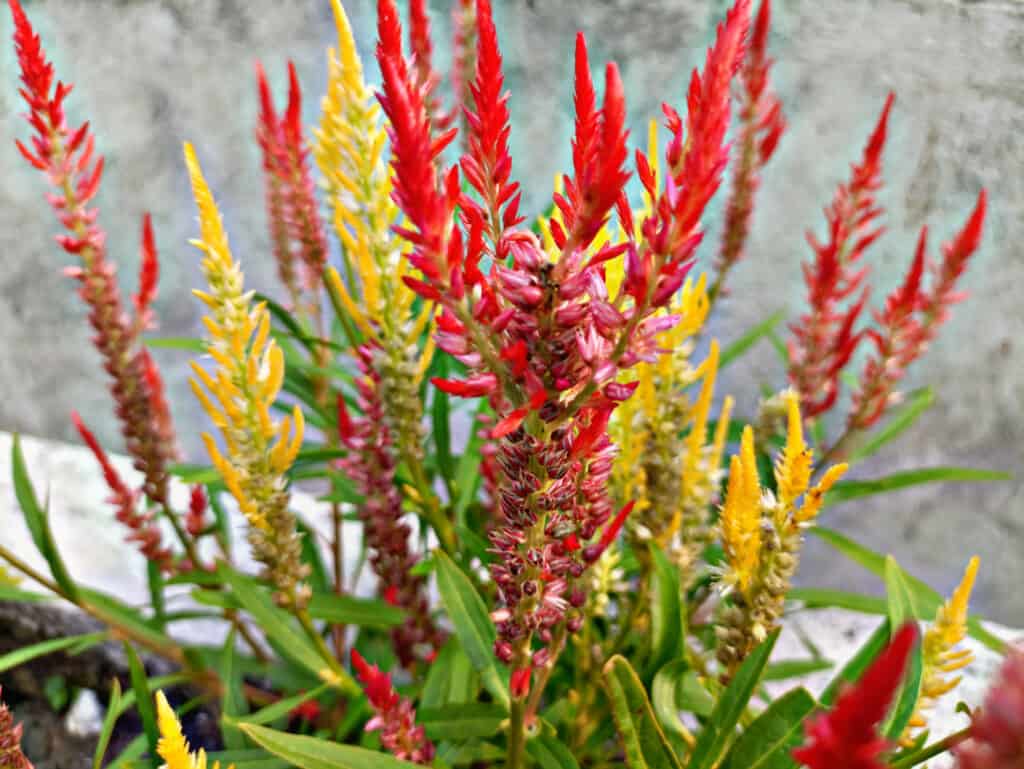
(847, 737)
(395, 716)
(173, 748)
(11, 756)
(741, 515)
(997, 730)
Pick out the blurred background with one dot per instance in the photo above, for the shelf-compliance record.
(152, 73)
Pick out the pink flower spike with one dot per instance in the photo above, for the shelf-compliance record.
(149, 273)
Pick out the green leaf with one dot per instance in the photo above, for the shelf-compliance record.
(319, 579)
(668, 698)
(719, 730)
(903, 417)
(17, 595)
(349, 610)
(113, 711)
(667, 623)
(467, 475)
(188, 343)
(313, 753)
(277, 626)
(233, 703)
(817, 598)
(735, 350)
(767, 742)
(193, 474)
(451, 678)
(462, 722)
(281, 708)
(645, 743)
(113, 612)
(143, 700)
(473, 626)
(28, 653)
(783, 669)
(857, 664)
(846, 490)
(901, 610)
(37, 520)
(474, 753)
(549, 753)
(441, 432)
(925, 599)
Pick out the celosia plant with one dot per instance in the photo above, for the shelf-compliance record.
(608, 588)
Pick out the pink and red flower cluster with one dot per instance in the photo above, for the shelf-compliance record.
(371, 465)
(997, 731)
(395, 717)
(67, 158)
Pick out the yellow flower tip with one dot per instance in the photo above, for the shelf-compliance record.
(172, 746)
(741, 516)
(793, 469)
(346, 41)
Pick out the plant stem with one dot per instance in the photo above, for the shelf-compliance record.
(516, 734)
(557, 645)
(933, 750)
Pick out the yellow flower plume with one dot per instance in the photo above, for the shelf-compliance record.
(238, 395)
(172, 746)
(793, 469)
(939, 648)
(741, 515)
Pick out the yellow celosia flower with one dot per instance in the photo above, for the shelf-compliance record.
(172, 746)
(941, 657)
(815, 497)
(793, 469)
(741, 515)
(238, 396)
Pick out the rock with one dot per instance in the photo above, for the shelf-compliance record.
(85, 718)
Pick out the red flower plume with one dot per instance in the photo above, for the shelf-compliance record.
(847, 736)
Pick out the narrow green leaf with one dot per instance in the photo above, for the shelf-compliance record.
(232, 704)
(143, 700)
(17, 595)
(719, 730)
(114, 612)
(279, 629)
(155, 581)
(667, 623)
(37, 520)
(549, 753)
(767, 742)
(462, 722)
(926, 600)
(281, 708)
(857, 664)
(313, 753)
(817, 598)
(113, 711)
(735, 350)
(25, 654)
(440, 413)
(467, 475)
(320, 580)
(474, 753)
(473, 626)
(665, 696)
(901, 610)
(846, 490)
(187, 343)
(645, 743)
(451, 678)
(783, 669)
(903, 417)
(349, 610)
(193, 474)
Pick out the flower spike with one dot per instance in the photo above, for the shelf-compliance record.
(997, 730)
(395, 715)
(11, 756)
(847, 736)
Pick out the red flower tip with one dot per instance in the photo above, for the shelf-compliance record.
(847, 737)
(195, 522)
(377, 684)
(149, 271)
(519, 683)
(293, 115)
(344, 421)
(307, 711)
(474, 387)
(391, 595)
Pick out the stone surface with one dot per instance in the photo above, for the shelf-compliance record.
(150, 73)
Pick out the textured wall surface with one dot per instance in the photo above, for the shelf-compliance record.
(151, 73)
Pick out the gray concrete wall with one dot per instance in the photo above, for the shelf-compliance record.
(151, 73)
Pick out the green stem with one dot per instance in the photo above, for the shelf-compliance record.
(933, 750)
(516, 735)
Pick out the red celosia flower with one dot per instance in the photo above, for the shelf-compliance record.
(195, 521)
(997, 729)
(598, 157)
(463, 57)
(11, 756)
(297, 233)
(144, 532)
(847, 736)
(371, 464)
(825, 337)
(911, 318)
(427, 78)
(761, 126)
(487, 164)
(395, 716)
(66, 156)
